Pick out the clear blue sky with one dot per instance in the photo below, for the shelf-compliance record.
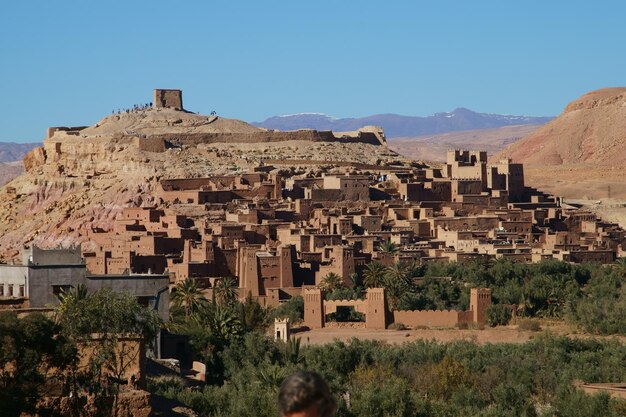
(71, 63)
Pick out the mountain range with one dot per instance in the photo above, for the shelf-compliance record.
(11, 151)
(396, 126)
(11, 155)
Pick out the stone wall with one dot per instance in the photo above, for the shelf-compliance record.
(179, 139)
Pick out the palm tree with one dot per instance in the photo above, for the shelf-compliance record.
(224, 324)
(388, 246)
(187, 296)
(355, 279)
(292, 351)
(398, 281)
(226, 291)
(374, 275)
(331, 282)
(401, 272)
(70, 297)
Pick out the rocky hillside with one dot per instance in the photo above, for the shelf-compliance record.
(591, 129)
(581, 153)
(10, 170)
(82, 177)
(396, 125)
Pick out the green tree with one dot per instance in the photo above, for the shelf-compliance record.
(498, 315)
(253, 316)
(30, 349)
(107, 316)
(398, 282)
(388, 247)
(187, 297)
(292, 308)
(224, 324)
(603, 306)
(331, 282)
(374, 275)
(376, 393)
(70, 297)
(226, 291)
(292, 351)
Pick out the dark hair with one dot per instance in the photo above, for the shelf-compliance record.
(302, 390)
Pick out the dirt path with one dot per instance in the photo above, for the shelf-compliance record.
(505, 334)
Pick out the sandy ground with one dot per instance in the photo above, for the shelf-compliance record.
(582, 181)
(503, 334)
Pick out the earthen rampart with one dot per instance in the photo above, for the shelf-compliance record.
(179, 139)
(430, 318)
(378, 315)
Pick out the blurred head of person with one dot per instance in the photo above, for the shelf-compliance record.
(305, 394)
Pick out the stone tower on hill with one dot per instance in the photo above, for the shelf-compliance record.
(170, 99)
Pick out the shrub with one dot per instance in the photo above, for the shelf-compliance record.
(293, 309)
(529, 324)
(163, 385)
(397, 326)
(498, 315)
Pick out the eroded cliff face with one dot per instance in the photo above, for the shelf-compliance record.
(82, 179)
(591, 129)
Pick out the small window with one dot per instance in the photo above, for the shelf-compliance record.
(10, 294)
(22, 291)
(58, 289)
(145, 301)
(1, 290)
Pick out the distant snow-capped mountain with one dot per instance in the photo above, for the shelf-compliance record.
(396, 125)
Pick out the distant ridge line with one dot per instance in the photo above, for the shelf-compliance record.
(396, 125)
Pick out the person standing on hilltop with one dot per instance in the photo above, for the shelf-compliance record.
(305, 394)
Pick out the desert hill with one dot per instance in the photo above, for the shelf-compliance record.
(164, 120)
(83, 177)
(581, 153)
(396, 126)
(434, 147)
(591, 129)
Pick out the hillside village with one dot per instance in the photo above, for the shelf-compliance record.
(278, 232)
(155, 199)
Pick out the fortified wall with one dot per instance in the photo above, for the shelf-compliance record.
(159, 143)
(378, 316)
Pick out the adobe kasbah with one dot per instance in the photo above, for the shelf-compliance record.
(279, 233)
(164, 240)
